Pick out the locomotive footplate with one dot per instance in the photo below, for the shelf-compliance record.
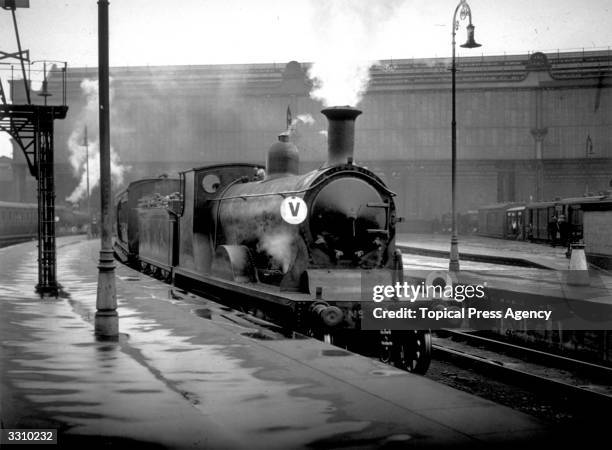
(298, 310)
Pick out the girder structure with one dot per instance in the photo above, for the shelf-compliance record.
(31, 127)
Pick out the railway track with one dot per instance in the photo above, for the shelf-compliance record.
(579, 381)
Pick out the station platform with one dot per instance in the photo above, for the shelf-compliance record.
(520, 270)
(189, 373)
(486, 250)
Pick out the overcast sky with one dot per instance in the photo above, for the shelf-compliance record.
(154, 32)
(158, 32)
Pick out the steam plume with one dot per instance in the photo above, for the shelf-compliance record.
(350, 30)
(280, 247)
(306, 119)
(78, 151)
(6, 148)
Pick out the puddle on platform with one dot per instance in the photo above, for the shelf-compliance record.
(335, 352)
(388, 372)
(128, 278)
(204, 313)
(258, 335)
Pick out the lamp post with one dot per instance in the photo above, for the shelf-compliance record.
(464, 11)
(106, 320)
(587, 154)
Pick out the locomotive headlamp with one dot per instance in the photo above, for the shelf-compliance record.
(470, 43)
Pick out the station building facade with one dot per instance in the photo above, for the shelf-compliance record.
(529, 127)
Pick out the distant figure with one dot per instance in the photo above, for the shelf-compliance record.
(521, 235)
(94, 228)
(530, 232)
(553, 231)
(564, 230)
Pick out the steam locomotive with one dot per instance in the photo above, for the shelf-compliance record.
(236, 232)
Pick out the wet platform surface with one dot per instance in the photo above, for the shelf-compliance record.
(489, 249)
(423, 253)
(186, 373)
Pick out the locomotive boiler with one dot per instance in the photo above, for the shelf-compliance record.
(350, 221)
(229, 237)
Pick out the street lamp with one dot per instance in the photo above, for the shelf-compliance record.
(588, 153)
(107, 319)
(464, 11)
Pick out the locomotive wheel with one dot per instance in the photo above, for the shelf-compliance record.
(412, 351)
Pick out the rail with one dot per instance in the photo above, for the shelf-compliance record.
(584, 382)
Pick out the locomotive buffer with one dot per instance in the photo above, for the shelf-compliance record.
(31, 127)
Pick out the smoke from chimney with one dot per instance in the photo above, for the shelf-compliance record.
(79, 150)
(350, 33)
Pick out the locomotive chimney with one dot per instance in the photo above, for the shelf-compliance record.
(340, 134)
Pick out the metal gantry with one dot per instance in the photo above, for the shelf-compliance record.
(31, 127)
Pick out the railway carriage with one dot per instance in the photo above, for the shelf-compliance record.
(493, 220)
(532, 220)
(539, 215)
(18, 222)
